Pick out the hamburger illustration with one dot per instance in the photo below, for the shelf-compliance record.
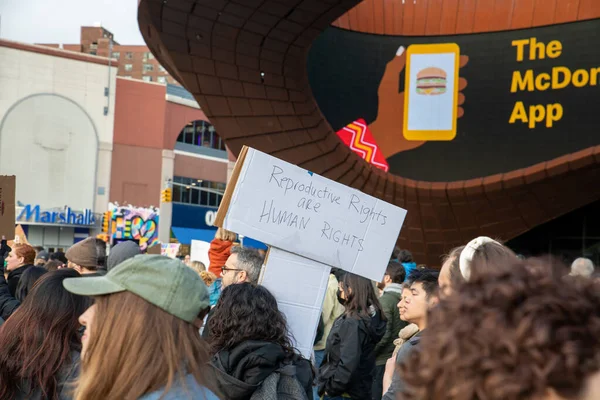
(431, 81)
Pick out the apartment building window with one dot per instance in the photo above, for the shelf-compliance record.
(161, 79)
(148, 67)
(161, 68)
(116, 54)
(128, 67)
(129, 55)
(147, 78)
(202, 134)
(148, 56)
(197, 191)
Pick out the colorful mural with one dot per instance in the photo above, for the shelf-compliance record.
(133, 223)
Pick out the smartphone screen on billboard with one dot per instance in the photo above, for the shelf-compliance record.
(431, 91)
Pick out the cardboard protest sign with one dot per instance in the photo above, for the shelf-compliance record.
(19, 237)
(7, 206)
(199, 252)
(301, 212)
(299, 298)
(170, 250)
(155, 249)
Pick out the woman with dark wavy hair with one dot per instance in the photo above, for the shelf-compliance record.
(40, 343)
(250, 341)
(520, 333)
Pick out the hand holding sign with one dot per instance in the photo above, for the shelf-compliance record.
(387, 128)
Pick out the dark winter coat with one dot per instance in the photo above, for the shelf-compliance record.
(14, 277)
(397, 386)
(67, 374)
(389, 303)
(8, 303)
(4, 252)
(241, 371)
(350, 356)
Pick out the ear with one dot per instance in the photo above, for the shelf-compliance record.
(433, 301)
(242, 276)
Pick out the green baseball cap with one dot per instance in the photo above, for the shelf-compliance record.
(167, 283)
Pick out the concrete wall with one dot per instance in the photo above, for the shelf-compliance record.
(54, 135)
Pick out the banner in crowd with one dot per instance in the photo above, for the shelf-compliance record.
(311, 223)
(199, 252)
(293, 209)
(170, 250)
(512, 99)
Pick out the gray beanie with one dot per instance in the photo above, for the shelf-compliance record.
(121, 252)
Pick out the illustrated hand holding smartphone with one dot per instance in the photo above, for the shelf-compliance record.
(428, 107)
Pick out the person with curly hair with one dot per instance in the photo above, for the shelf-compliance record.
(517, 333)
(250, 342)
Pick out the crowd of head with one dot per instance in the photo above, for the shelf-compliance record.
(93, 324)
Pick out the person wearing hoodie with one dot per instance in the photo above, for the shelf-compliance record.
(423, 284)
(141, 337)
(392, 293)
(20, 258)
(251, 345)
(347, 370)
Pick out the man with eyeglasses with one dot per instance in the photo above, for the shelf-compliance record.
(243, 265)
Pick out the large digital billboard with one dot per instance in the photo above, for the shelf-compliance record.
(522, 97)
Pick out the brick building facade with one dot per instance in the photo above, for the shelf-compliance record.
(135, 61)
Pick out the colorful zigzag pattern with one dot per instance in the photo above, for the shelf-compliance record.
(359, 138)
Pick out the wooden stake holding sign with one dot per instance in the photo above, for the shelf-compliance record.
(7, 206)
(322, 223)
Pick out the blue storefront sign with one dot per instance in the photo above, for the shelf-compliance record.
(67, 216)
(197, 223)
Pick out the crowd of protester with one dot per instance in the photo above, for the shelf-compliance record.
(98, 322)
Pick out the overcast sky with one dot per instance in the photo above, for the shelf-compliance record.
(59, 21)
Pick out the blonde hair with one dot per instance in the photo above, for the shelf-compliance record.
(208, 277)
(135, 348)
(224, 234)
(197, 266)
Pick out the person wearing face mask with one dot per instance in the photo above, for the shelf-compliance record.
(347, 369)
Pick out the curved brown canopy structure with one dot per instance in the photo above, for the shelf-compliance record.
(245, 63)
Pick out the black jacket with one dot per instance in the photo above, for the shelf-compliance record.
(8, 303)
(64, 379)
(14, 277)
(350, 357)
(239, 372)
(4, 252)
